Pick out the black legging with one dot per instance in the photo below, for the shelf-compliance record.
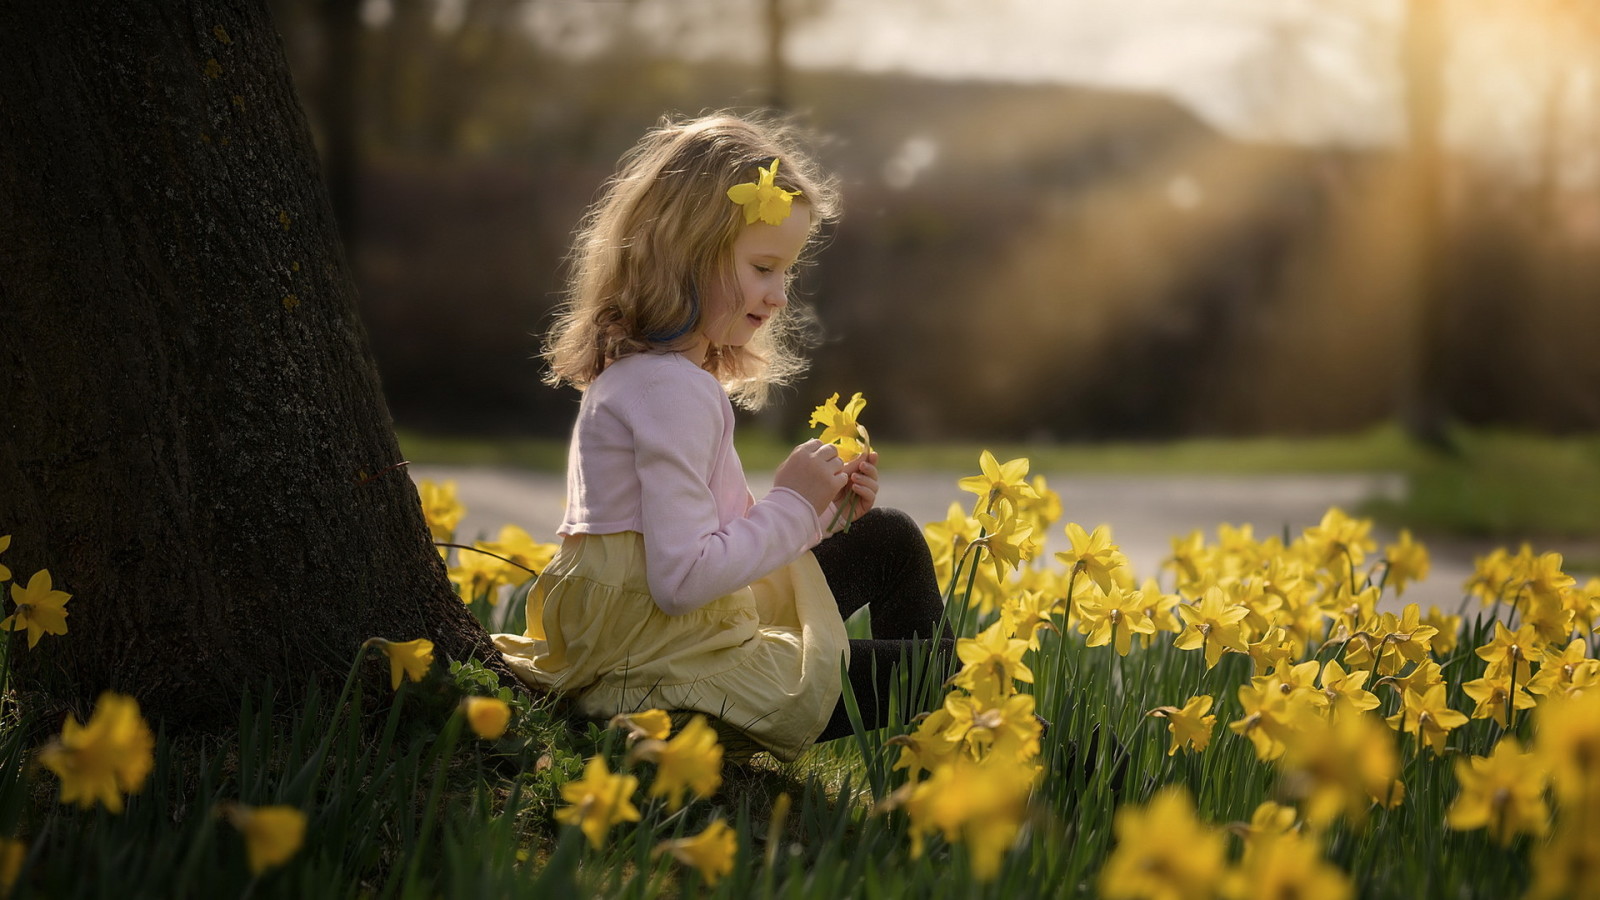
(883, 563)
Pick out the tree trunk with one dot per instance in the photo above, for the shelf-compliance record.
(777, 70)
(193, 441)
(1425, 412)
(341, 112)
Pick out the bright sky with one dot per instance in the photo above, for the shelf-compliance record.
(1246, 66)
(1310, 71)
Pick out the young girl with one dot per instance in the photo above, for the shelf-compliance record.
(674, 587)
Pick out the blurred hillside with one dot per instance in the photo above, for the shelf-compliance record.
(1015, 261)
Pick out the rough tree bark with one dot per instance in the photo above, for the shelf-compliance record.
(192, 436)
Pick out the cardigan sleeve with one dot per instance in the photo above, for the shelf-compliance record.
(681, 429)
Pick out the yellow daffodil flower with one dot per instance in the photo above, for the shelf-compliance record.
(1503, 792)
(1273, 651)
(1428, 717)
(410, 659)
(1093, 554)
(1409, 635)
(1348, 688)
(1163, 850)
(1513, 652)
(598, 801)
(841, 427)
(5, 543)
(1548, 616)
(1339, 542)
(992, 724)
(762, 199)
(1354, 611)
(991, 661)
(1117, 615)
(1563, 867)
(1009, 543)
(40, 608)
(1273, 711)
(1269, 820)
(272, 834)
(1190, 558)
(981, 805)
(711, 852)
(1582, 602)
(487, 716)
(527, 556)
(1445, 631)
(1284, 577)
(1419, 678)
(1029, 613)
(1190, 726)
(1497, 696)
(999, 481)
(929, 746)
(1491, 574)
(1560, 670)
(649, 724)
(1543, 579)
(1369, 648)
(477, 574)
(109, 756)
(441, 508)
(691, 761)
(1287, 865)
(1340, 766)
(1408, 562)
(948, 540)
(1042, 511)
(1212, 625)
(1567, 739)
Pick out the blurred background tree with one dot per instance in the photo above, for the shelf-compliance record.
(1376, 210)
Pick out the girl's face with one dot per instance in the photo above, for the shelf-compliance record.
(762, 256)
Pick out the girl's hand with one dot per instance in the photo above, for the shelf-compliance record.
(863, 474)
(814, 471)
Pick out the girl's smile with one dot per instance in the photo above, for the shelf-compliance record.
(762, 256)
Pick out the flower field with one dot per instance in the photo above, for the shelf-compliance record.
(1242, 723)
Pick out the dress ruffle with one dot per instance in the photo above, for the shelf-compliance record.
(765, 659)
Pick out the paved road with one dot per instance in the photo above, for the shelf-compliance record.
(1144, 511)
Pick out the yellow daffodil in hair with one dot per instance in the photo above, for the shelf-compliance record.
(762, 199)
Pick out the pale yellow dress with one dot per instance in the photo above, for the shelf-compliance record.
(765, 660)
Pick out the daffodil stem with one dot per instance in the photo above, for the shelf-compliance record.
(5, 672)
(972, 577)
(1061, 635)
(1511, 696)
(1516, 604)
(957, 569)
(1350, 558)
(511, 562)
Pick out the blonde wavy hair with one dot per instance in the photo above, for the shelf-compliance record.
(661, 235)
